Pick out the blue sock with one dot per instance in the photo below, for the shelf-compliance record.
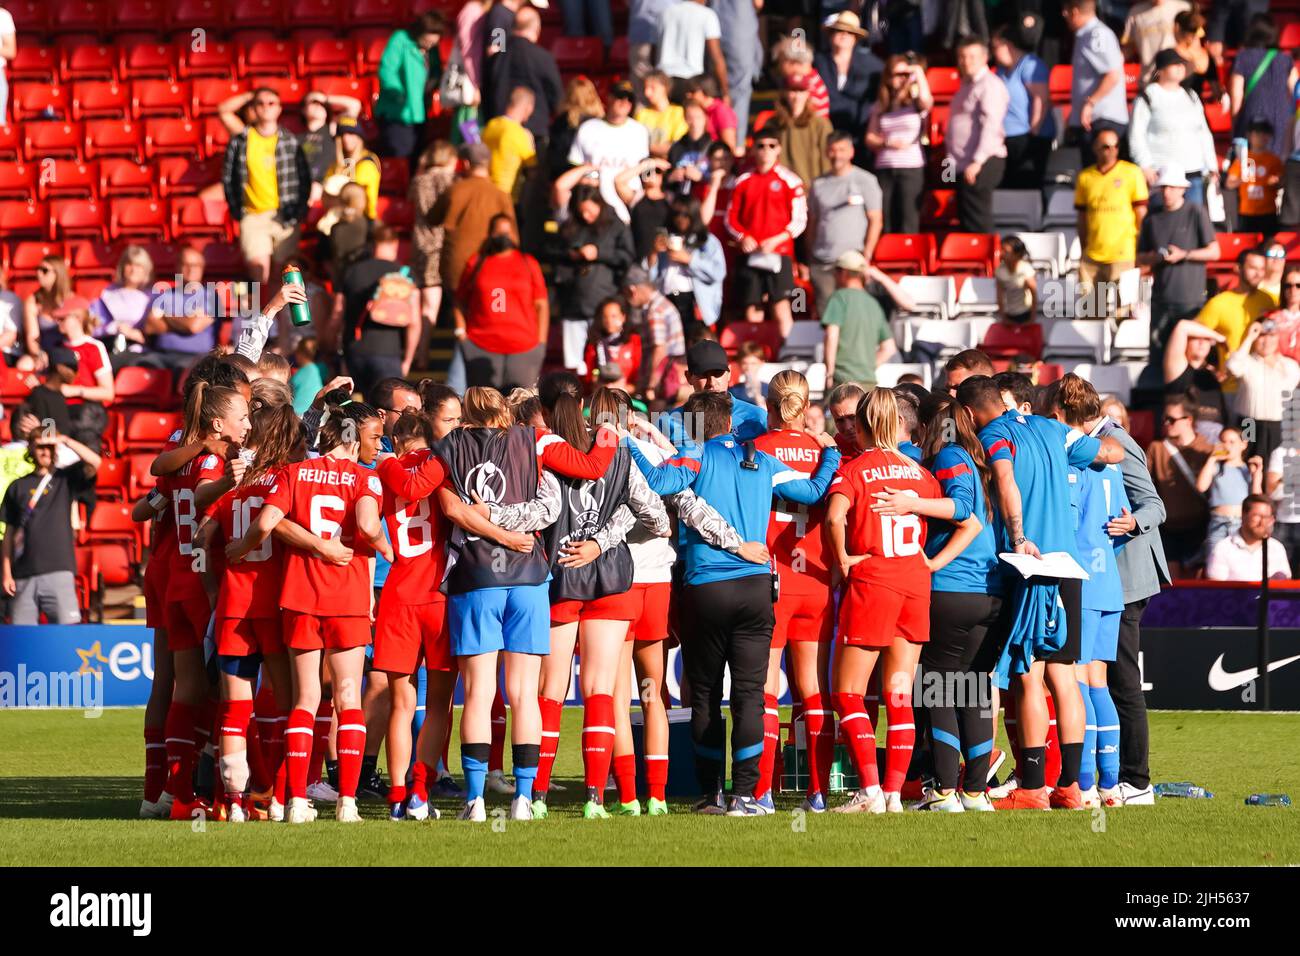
(1107, 736)
(421, 682)
(1088, 769)
(523, 762)
(474, 764)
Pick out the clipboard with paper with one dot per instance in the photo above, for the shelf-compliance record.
(1054, 564)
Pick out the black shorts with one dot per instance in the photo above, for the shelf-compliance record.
(756, 286)
(961, 631)
(1072, 598)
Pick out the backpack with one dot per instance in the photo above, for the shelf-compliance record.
(391, 305)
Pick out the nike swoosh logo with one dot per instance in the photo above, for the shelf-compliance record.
(1221, 680)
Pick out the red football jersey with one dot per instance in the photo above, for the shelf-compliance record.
(321, 494)
(183, 582)
(794, 531)
(250, 588)
(895, 544)
(417, 529)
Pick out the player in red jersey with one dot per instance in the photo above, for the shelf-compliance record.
(803, 608)
(327, 608)
(886, 605)
(842, 406)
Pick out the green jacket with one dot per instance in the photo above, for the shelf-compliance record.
(403, 74)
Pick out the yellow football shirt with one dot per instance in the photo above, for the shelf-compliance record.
(512, 147)
(665, 127)
(261, 194)
(1108, 198)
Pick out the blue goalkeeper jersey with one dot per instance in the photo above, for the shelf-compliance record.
(976, 570)
(743, 496)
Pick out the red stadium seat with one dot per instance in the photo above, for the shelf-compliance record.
(327, 56)
(24, 220)
(209, 92)
(291, 91)
(113, 138)
(90, 289)
(361, 89)
(142, 482)
(89, 584)
(579, 53)
(258, 13)
(317, 13)
(138, 219)
(397, 212)
(137, 387)
(30, 16)
(189, 14)
(222, 261)
(11, 143)
(89, 61)
(40, 101)
(377, 13)
(79, 16)
(967, 253)
(148, 431)
(124, 178)
(77, 219)
(164, 256)
(938, 130)
(118, 566)
(93, 258)
(15, 386)
(99, 100)
(172, 137)
(1004, 340)
(902, 253)
(618, 55)
(192, 217)
(737, 334)
(215, 59)
(943, 81)
(147, 61)
(26, 256)
(939, 208)
(68, 179)
(269, 58)
(1059, 82)
(370, 48)
(1142, 426)
(1290, 38)
(143, 15)
(395, 179)
(1132, 74)
(160, 98)
(179, 176)
(34, 64)
(215, 137)
(17, 181)
(1231, 245)
(111, 480)
(1218, 118)
(112, 522)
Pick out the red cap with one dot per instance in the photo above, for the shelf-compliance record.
(73, 303)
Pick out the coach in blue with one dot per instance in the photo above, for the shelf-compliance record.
(726, 600)
(708, 370)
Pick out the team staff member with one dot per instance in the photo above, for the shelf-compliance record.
(709, 370)
(726, 600)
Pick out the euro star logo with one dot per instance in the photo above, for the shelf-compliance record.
(90, 657)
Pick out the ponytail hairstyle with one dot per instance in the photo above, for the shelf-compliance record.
(1077, 400)
(342, 424)
(412, 425)
(485, 407)
(204, 404)
(610, 406)
(433, 395)
(787, 397)
(561, 396)
(215, 370)
(948, 423)
(878, 419)
(276, 436)
(524, 406)
(270, 393)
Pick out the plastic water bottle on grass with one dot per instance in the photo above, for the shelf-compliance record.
(1268, 800)
(1183, 789)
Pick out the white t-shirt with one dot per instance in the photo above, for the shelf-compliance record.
(1231, 560)
(11, 316)
(611, 149)
(682, 36)
(1281, 499)
(7, 28)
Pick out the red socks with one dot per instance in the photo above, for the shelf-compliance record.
(819, 732)
(1052, 759)
(771, 740)
(872, 699)
(899, 740)
(857, 731)
(298, 748)
(551, 711)
(597, 739)
(321, 744)
(273, 752)
(155, 763)
(656, 775)
(233, 718)
(420, 774)
(351, 746)
(497, 753)
(180, 743)
(625, 777)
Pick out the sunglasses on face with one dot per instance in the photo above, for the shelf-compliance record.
(1108, 146)
(1170, 420)
(43, 270)
(767, 146)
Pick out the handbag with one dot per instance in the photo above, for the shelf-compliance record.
(456, 88)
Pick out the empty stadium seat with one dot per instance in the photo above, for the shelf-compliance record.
(68, 179)
(117, 566)
(268, 58)
(291, 91)
(258, 13)
(903, 253)
(327, 56)
(112, 479)
(113, 138)
(1017, 210)
(215, 138)
(1004, 340)
(15, 386)
(142, 482)
(805, 340)
(318, 13)
(192, 217)
(79, 16)
(931, 295)
(111, 521)
(78, 219)
(1059, 210)
(92, 258)
(214, 59)
(164, 256)
(147, 61)
(89, 62)
(397, 212)
(137, 387)
(1231, 245)
(978, 295)
(138, 219)
(148, 430)
(181, 176)
(1132, 338)
(887, 375)
(943, 82)
(33, 64)
(968, 253)
(207, 93)
(160, 98)
(359, 88)
(939, 208)
(938, 337)
(12, 143)
(17, 181)
(395, 179)
(90, 289)
(101, 100)
(51, 139)
(24, 220)
(1059, 82)
(24, 257)
(376, 13)
(123, 178)
(585, 54)
(143, 15)
(1087, 339)
(1047, 252)
(172, 137)
(89, 584)
(619, 57)
(185, 15)
(222, 260)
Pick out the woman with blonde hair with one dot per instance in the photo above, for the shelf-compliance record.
(581, 102)
(120, 310)
(895, 133)
(40, 327)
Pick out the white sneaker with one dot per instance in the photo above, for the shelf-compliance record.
(346, 811)
(300, 811)
(893, 802)
(474, 811)
(871, 800)
(976, 802)
(322, 791)
(935, 802)
(1127, 795)
(1091, 799)
(162, 808)
(236, 813)
(149, 809)
(1110, 797)
(275, 812)
(497, 783)
(521, 808)
(997, 793)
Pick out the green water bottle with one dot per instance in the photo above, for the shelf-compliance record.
(299, 312)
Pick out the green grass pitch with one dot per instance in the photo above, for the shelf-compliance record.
(70, 791)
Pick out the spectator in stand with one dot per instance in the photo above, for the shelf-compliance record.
(844, 215)
(792, 56)
(649, 208)
(1017, 282)
(1113, 408)
(40, 327)
(1189, 370)
(267, 182)
(1286, 318)
(11, 318)
(1274, 266)
(767, 212)
(1174, 462)
(512, 145)
(502, 314)
(1149, 29)
(1240, 556)
(1110, 198)
(8, 50)
(1287, 529)
(309, 375)
(722, 120)
(1202, 66)
(38, 552)
(750, 357)
(590, 253)
(688, 156)
(377, 350)
(436, 173)
(93, 387)
(497, 25)
(409, 68)
(975, 138)
(1175, 241)
(858, 339)
(612, 340)
(1261, 85)
(355, 164)
(1258, 183)
(1030, 124)
(121, 309)
(588, 18)
(814, 420)
(660, 326)
(465, 211)
(1263, 377)
(1226, 479)
(803, 133)
(612, 144)
(524, 63)
(1231, 312)
(897, 126)
(1169, 131)
(644, 17)
(183, 319)
(688, 265)
(742, 49)
(689, 34)
(1229, 22)
(849, 71)
(1097, 98)
(468, 44)
(663, 120)
(581, 102)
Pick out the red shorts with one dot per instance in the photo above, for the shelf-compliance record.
(802, 617)
(155, 594)
(187, 623)
(872, 616)
(651, 621)
(611, 607)
(243, 636)
(405, 633)
(307, 632)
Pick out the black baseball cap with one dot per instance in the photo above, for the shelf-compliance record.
(62, 355)
(706, 357)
